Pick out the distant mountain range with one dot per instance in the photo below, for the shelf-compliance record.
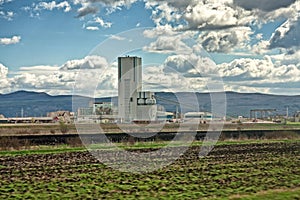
(39, 104)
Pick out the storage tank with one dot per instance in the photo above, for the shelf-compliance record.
(150, 101)
(141, 101)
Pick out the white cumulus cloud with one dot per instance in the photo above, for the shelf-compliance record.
(190, 65)
(225, 40)
(53, 5)
(212, 15)
(4, 81)
(166, 44)
(288, 58)
(92, 28)
(247, 68)
(93, 70)
(183, 72)
(259, 70)
(93, 6)
(89, 62)
(102, 23)
(12, 40)
(3, 71)
(8, 15)
(161, 30)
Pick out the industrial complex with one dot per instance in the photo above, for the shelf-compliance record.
(135, 105)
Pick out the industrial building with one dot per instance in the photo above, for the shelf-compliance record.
(97, 112)
(133, 103)
(165, 116)
(197, 117)
(103, 108)
(264, 113)
(62, 116)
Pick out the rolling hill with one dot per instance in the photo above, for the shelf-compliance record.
(36, 104)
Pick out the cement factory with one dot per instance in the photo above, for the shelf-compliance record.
(138, 106)
(135, 105)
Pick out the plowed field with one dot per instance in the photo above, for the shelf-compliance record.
(228, 171)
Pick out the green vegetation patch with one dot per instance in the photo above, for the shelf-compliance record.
(252, 170)
(280, 194)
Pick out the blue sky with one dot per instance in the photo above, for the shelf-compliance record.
(54, 37)
(255, 45)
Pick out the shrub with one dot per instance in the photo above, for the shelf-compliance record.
(7, 143)
(63, 127)
(27, 144)
(131, 140)
(74, 142)
(281, 135)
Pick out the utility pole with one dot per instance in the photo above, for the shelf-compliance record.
(287, 112)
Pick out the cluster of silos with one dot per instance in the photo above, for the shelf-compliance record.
(146, 98)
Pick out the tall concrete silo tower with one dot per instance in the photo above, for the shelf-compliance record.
(129, 85)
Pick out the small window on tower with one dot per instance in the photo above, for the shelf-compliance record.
(131, 99)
